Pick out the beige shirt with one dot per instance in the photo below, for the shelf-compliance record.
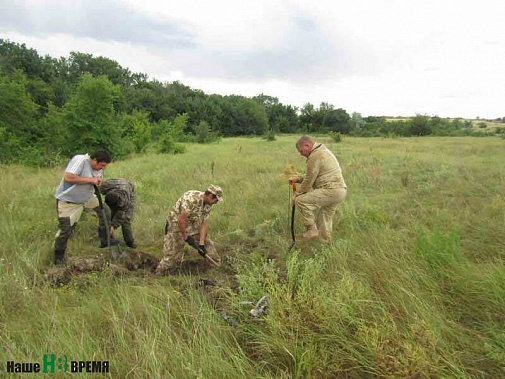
(323, 170)
(191, 203)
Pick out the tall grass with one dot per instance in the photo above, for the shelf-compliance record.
(413, 284)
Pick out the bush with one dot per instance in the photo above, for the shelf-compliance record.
(204, 133)
(136, 130)
(336, 136)
(90, 118)
(269, 136)
(167, 145)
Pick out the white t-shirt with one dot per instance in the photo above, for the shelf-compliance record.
(77, 193)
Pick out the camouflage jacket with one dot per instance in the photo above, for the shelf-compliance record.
(125, 192)
(191, 203)
(323, 171)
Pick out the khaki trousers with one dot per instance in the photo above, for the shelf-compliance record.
(68, 215)
(318, 207)
(74, 211)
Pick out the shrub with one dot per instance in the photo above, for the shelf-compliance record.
(175, 128)
(204, 134)
(336, 136)
(167, 145)
(269, 136)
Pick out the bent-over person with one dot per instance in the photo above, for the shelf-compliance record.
(120, 197)
(188, 220)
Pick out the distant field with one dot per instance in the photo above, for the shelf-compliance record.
(489, 124)
(475, 122)
(412, 286)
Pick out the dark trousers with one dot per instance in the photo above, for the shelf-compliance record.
(126, 228)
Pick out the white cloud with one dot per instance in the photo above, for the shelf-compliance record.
(375, 57)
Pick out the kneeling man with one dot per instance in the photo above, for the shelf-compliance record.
(322, 188)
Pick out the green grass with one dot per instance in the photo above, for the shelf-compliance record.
(412, 286)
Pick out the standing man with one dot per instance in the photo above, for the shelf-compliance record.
(187, 222)
(322, 188)
(120, 197)
(75, 194)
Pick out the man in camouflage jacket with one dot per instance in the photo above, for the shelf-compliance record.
(322, 188)
(186, 222)
(120, 197)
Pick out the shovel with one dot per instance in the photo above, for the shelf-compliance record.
(293, 186)
(113, 254)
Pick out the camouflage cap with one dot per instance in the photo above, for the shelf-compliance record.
(216, 190)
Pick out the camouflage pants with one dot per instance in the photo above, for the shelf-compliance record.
(318, 207)
(173, 250)
(126, 228)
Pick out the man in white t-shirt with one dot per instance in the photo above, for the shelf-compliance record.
(75, 194)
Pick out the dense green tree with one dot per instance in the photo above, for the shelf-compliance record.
(243, 116)
(306, 118)
(420, 126)
(90, 117)
(281, 118)
(18, 117)
(357, 121)
(80, 63)
(136, 131)
(15, 56)
(337, 120)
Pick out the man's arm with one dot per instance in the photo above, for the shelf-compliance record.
(313, 167)
(76, 179)
(182, 224)
(203, 232)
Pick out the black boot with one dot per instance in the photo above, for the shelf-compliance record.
(59, 257)
(131, 244)
(103, 240)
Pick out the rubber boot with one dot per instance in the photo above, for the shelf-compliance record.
(59, 257)
(61, 240)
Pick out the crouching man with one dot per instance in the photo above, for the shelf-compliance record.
(187, 223)
(120, 197)
(322, 188)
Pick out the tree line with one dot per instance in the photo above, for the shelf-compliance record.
(53, 108)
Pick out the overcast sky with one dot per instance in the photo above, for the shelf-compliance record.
(376, 57)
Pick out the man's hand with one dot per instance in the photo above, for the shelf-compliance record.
(112, 231)
(96, 181)
(191, 242)
(202, 250)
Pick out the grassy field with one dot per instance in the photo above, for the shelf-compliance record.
(475, 122)
(413, 284)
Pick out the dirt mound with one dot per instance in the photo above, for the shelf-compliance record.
(129, 261)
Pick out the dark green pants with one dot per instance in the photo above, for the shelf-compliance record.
(126, 228)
